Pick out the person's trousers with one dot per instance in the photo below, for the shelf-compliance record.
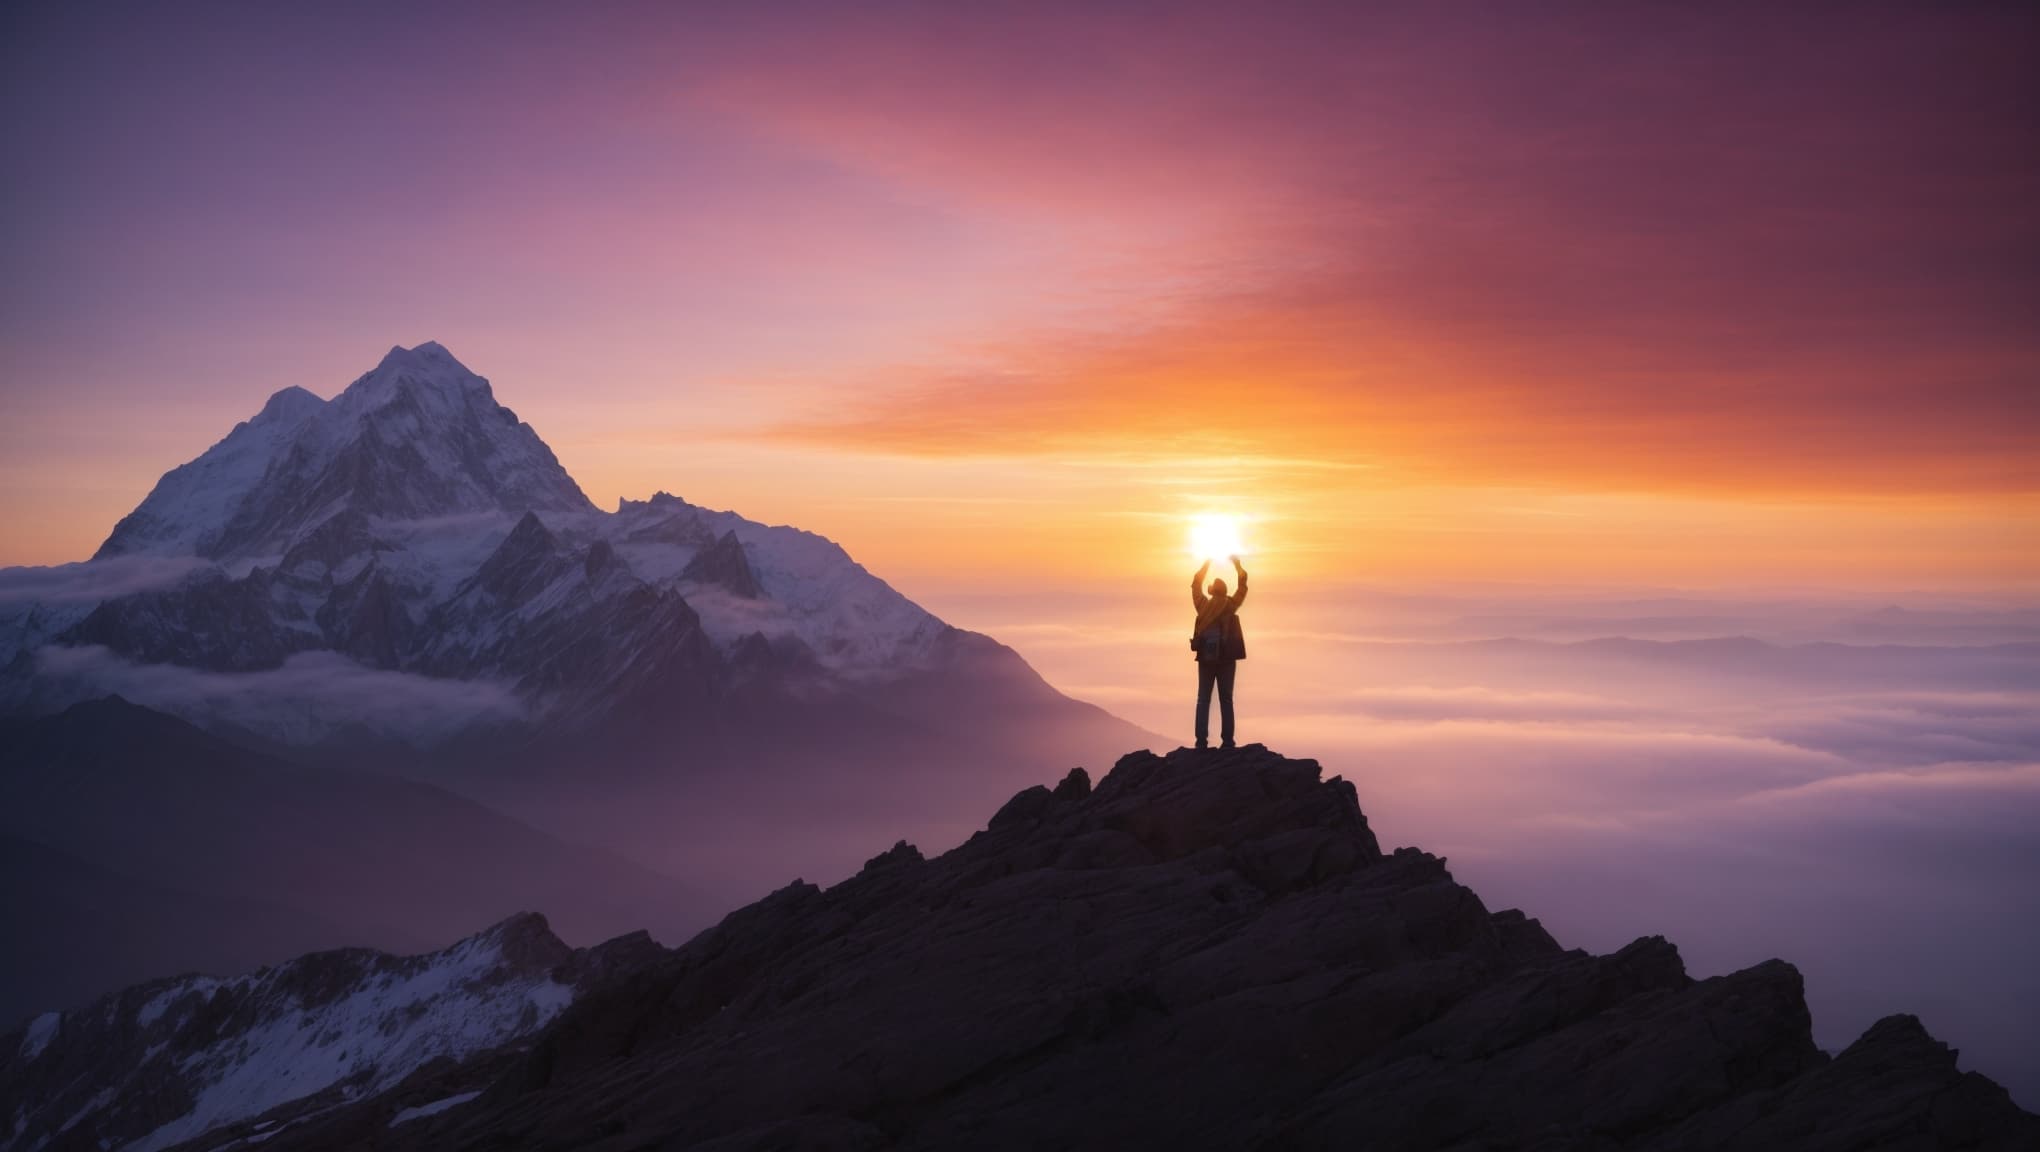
(1219, 672)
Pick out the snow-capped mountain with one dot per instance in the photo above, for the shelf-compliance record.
(418, 436)
(403, 578)
(415, 527)
(166, 1061)
(402, 582)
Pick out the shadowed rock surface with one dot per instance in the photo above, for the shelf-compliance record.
(723, 564)
(1206, 950)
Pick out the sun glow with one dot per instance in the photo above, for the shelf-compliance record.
(1215, 537)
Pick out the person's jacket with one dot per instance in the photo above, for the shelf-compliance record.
(1219, 612)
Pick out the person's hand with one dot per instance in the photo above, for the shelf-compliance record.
(1235, 560)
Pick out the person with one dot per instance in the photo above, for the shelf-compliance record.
(1220, 645)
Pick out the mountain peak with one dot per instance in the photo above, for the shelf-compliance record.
(419, 435)
(289, 406)
(430, 354)
(428, 367)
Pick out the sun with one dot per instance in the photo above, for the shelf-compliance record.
(1215, 537)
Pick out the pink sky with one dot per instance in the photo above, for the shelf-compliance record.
(1716, 295)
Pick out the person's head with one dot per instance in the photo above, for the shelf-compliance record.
(1218, 587)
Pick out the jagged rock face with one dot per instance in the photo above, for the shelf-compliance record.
(366, 618)
(208, 622)
(723, 565)
(576, 631)
(1206, 950)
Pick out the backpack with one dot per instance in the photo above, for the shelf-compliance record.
(1221, 641)
(1210, 643)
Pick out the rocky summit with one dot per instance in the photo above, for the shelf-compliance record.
(1203, 950)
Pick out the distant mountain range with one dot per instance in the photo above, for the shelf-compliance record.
(397, 634)
(1207, 950)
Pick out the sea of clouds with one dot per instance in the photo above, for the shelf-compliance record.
(1849, 784)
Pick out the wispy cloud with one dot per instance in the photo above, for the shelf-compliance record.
(89, 583)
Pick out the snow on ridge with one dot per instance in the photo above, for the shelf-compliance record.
(432, 1109)
(855, 622)
(193, 502)
(397, 1015)
(181, 989)
(41, 1031)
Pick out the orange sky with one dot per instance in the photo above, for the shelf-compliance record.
(1642, 298)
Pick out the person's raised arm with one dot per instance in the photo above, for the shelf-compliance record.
(1197, 585)
(1240, 596)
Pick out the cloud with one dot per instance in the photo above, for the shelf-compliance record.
(1418, 703)
(89, 582)
(314, 695)
(1503, 773)
(1915, 729)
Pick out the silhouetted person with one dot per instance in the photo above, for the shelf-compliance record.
(1220, 645)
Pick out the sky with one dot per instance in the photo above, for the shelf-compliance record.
(1502, 329)
(1681, 295)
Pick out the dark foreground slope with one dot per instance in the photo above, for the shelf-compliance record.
(1207, 950)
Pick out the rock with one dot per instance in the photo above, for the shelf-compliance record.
(723, 564)
(1207, 950)
(1074, 786)
(208, 622)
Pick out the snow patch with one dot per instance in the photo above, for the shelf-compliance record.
(155, 1006)
(855, 623)
(453, 1004)
(432, 1109)
(41, 1031)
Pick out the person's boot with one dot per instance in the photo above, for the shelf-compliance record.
(1203, 744)
(1224, 744)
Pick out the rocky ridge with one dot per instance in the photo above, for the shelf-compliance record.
(166, 1061)
(1205, 950)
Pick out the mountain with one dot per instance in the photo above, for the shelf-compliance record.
(401, 583)
(137, 845)
(418, 436)
(414, 527)
(1205, 950)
